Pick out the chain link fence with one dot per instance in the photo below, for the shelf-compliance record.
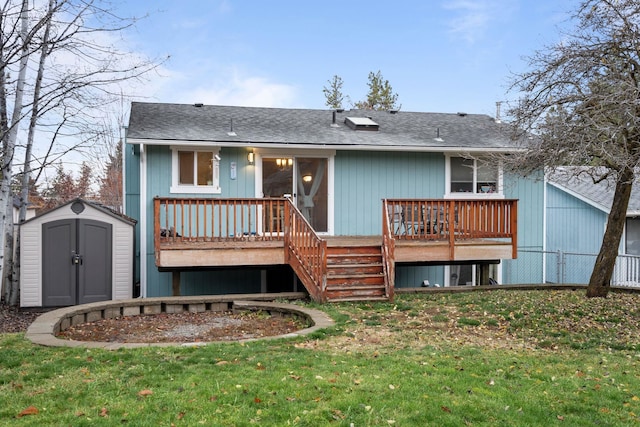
(536, 266)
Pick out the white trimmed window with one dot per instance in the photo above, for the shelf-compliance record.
(195, 170)
(472, 176)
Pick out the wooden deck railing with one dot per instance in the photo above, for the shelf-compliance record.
(207, 220)
(388, 249)
(186, 220)
(305, 252)
(453, 220)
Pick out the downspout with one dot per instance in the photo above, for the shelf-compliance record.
(143, 221)
(544, 228)
(124, 168)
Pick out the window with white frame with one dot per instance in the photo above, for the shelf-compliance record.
(195, 170)
(633, 236)
(473, 176)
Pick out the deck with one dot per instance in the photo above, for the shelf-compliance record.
(192, 233)
(256, 253)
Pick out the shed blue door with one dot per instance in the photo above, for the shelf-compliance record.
(76, 262)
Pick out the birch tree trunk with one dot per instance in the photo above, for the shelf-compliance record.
(14, 288)
(9, 145)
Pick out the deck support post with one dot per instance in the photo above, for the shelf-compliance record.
(484, 274)
(175, 282)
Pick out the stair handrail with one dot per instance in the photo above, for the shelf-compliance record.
(388, 251)
(305, 252)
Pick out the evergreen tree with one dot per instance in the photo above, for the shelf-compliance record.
(333, 93)
(381, 96)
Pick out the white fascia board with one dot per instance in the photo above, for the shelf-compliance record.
(336, 147)
(579, 196)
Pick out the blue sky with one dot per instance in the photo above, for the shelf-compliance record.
(438, 55)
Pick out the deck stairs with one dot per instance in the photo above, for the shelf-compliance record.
(355, 273)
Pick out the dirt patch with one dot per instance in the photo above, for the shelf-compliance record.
(184, 327)
(13, 319)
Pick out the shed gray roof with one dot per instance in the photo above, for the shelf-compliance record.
(105, 209)
(158, 123)
(577, 181)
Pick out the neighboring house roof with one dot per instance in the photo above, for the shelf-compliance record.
(577, 181)
(158, 123)
(17, 203)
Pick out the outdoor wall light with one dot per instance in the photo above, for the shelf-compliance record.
(250, 157)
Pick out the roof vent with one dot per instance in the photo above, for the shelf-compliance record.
(361, 123)
(231, 131)
(461, 114)
(437, 138)
(333, 120)
(198, 104)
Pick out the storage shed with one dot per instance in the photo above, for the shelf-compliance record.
(77, 253)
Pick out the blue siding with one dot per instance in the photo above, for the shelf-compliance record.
(204, 282)
(363, 179)
(573, 227)
(413, 276)
(530, 195)
(208, 281)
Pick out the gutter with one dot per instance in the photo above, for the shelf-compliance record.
(342, 147)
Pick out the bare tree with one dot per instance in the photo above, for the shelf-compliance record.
(110, 191)
(76, 69)
(9, 133)
(581, 101)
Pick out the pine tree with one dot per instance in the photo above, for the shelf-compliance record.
(333, 93)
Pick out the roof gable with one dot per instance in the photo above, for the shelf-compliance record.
(577, 182)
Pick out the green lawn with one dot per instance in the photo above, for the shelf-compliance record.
(500, 358)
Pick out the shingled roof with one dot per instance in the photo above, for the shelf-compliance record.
(577, 181)
(159, 123)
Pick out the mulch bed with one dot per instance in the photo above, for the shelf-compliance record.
(13, 319)
(184, 327)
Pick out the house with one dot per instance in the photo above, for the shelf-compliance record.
(577, 212)
(242, 199)
(31, 210)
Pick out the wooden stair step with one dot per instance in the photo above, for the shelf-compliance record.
(371, 279)
(357, 299)
(359, 294)
(353, 259)
(336, 286)
(354, 269)
(353, 249)
(356, 290)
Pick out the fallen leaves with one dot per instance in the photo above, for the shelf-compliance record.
(145, 393)
(516, 320)
(184, 327)
(30, 410)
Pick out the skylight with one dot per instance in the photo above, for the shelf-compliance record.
(361, 123)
